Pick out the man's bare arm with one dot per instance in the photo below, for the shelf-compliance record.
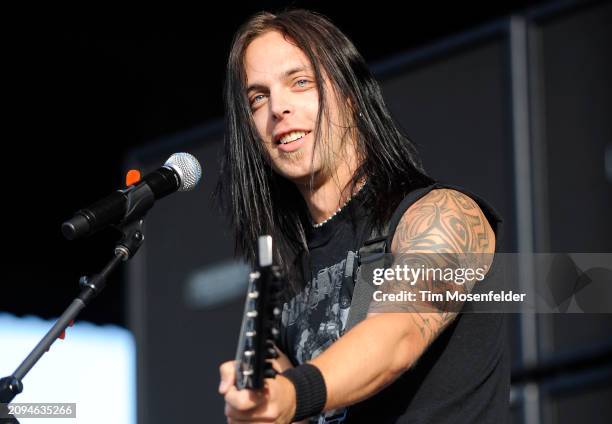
(445, 229)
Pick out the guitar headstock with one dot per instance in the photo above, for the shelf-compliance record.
(259, 331)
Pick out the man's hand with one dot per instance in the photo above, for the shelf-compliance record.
(275, 403)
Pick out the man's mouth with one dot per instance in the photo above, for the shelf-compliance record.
(292, 136)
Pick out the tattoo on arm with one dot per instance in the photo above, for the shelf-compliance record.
(444, 230)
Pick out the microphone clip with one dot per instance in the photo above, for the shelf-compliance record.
(139, 199)
(133, 237)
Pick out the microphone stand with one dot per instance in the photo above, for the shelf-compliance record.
(132, 239)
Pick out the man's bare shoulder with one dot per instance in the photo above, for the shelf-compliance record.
(444, 221)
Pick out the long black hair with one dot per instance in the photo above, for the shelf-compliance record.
(258, 200)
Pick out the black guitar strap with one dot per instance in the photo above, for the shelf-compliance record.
(375, 253)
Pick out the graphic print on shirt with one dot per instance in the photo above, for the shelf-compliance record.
(317, 317)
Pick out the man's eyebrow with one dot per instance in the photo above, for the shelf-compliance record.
(296, 70)
(288, 73)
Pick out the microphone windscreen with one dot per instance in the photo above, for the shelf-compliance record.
(188, 169)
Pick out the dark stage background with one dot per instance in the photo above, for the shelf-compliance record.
(80, 93)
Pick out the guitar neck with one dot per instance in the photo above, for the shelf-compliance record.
(259, 331)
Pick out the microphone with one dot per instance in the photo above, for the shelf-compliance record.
(181, 172)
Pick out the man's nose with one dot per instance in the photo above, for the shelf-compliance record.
(280, 105)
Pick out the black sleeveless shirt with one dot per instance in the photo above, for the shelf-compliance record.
(464, 375)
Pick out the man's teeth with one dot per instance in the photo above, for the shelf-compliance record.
(292, 136)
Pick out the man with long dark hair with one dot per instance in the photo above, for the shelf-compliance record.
(313, 157)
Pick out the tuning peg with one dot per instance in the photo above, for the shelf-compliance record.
(274, 311)
(271, 352)
(253, 295)
(270, 373)
(254, 276)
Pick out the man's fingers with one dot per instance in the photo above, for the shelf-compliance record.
(243, 400)
(258, 413)
(228, 376)
(281, 363)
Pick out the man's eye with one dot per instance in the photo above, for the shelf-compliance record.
(257, 98)
(302, 83)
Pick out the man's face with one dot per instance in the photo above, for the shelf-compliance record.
(284, 100)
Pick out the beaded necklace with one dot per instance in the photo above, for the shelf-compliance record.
(320, 224)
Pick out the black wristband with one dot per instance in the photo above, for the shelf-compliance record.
(310, 390)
